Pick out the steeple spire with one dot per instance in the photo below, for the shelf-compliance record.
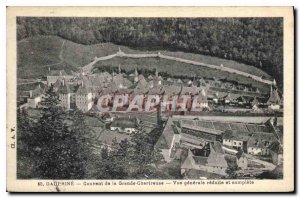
(271, 90)
(274, 82)
(156, 72)
(136, 72)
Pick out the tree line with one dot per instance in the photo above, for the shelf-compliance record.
(254, 41)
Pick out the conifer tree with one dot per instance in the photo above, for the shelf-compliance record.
(54, 144)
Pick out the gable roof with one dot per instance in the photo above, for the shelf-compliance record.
(36, 92)
(142, 87)
(199, 160)
(236, 135)
(63, 89)
(202, 129)
(216, 147)
(166, 136)
(120, 80)
(172, 89)
(190, 90)
(156, 90)
(107, 137)
(83, 90)
(276, 147)
(124, 122)
(216, 156)
(274, 97)
(261, 140)
(240, 154)
(57, 73)
(189, 162)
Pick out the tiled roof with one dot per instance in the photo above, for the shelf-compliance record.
(236, 135)
(93, 121)
(274, 97)
(172, 89)
(196, 174)
(63, 89)
(124, 123)
(120, 80)
(192, 139)
(216, 156)
(254, 101)
(124, 91)
(190, 90)
(166, 136)
(142, 87)
(36, 92)
(276, 147)
(57, 73)
(83, 90)
(200, 160)
(261, 140)
(240, 154)
(157, 90)
(189, 162)
(217, 147)
(94, 109)
(30, 86)
(107, 137)
(202, 129)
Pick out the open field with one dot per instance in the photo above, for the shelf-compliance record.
(36, 54)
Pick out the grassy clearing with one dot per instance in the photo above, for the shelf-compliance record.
(34, 54)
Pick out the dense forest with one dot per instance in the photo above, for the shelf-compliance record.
(254, 41)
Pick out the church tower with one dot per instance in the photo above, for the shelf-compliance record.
(119, 69)
(136, 75)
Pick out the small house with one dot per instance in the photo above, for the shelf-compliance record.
(125, 125)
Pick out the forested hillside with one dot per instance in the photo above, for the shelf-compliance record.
(254, 41)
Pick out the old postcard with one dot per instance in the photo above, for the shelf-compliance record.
(150, 99)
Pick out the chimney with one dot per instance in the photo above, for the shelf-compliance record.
(119, 69)
(82, 83)
(49, 69)
(271, 90)
(63, 82)
(30, 94)
(274, 82)
(136, 72)
(203, 92)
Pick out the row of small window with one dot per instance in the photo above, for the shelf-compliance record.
(240, 143)
(252, 149)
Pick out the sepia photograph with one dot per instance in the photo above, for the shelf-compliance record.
(151, 101)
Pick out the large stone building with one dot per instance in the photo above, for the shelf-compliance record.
(84, 99)
(215, 164)
(125, 125)
(35, 97)
(64, 95)
(54, 75)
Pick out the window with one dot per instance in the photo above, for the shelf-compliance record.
(234, 143)
(240, 143)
